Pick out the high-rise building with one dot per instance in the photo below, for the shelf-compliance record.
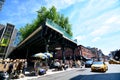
(1, 3)
(8, 35)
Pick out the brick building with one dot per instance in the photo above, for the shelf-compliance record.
(86, 52)
(80, 52)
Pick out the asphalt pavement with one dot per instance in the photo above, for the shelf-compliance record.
(113, 73)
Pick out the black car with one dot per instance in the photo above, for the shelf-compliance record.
(88, 63)
(4, 75)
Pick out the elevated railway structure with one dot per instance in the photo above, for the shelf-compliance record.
(47, 37)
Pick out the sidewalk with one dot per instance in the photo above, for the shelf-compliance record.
(49, 72)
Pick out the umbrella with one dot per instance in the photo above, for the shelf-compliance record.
(48, 54)
(40, 55)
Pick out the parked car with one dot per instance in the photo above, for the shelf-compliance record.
(88, 63)
(99, 66)
(4, 75)
(112, 61)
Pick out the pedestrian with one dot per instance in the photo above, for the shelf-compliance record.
(10, 70)
(24, 66)
(20, 66)
(36, 67)
(57, 65)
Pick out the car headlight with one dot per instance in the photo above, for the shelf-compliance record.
(102, 67)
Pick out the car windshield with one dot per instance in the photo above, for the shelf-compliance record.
(88, 61)
(97, 62)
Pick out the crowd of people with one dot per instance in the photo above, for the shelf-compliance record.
(58, 65)
(14, 68)
(40, 67)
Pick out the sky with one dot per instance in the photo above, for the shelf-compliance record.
(95, 23)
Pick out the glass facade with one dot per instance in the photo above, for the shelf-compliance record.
(17, 39)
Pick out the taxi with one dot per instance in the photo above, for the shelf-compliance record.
(99, 66)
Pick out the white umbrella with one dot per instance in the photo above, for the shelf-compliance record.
(48, 54)
(40, 55)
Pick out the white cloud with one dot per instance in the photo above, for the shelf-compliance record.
(101, 31)
(95, 7)
(61, 4)
(79, 38)
(103, 24)
(98, 20)
(72, 14)
(96, 39)
(118, 22)
(113, 19)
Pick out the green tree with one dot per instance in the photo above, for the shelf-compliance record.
(43, 14)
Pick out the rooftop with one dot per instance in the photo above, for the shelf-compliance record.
(59, 29)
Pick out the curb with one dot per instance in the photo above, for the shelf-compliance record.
(49, 72)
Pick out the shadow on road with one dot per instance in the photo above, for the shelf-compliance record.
(102, 76)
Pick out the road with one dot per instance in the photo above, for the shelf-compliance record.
(113, 73)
